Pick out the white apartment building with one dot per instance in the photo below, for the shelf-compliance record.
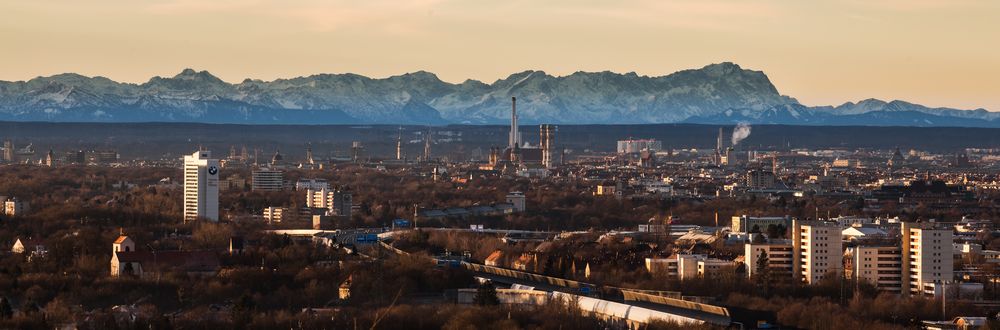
(201, 186)
(818, 249)
(779, 257)
(927, 257)
(339, 202)
(273, 214)
(267, 180)
(880, 266)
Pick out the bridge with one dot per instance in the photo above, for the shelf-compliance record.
(625, 306)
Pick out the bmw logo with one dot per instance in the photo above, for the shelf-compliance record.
(212, 170)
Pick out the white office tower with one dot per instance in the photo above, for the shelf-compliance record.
(201, 186)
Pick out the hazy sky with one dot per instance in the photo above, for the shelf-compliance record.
(938, 53)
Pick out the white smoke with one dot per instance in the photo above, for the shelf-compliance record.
(740, 132)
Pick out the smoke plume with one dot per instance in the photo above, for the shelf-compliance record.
(742, 131)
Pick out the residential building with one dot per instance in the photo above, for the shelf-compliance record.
(818, 251)
(201, 186)
(880, 266)
(779, 258)
(266, 179)
(714, 268)
(338, 202)
(927, 257)
(760, 179)
(274, 214)
(687, 266)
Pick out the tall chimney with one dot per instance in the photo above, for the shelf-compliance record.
(719, 145)
(513, 123)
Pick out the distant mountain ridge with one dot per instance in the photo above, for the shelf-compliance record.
(716, 93)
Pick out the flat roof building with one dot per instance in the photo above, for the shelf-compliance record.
(880, 266)
(779, 256)
(927, 257)
(746, 223)
(818, 249)
(266, 179)
(201, 186)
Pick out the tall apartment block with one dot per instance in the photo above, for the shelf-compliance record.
(879, 265)
(818, 251)
(779, 257)
(927, 257)
(339, 202)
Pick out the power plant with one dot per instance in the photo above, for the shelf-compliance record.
(523, 156)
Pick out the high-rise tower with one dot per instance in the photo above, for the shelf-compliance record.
(201, 186)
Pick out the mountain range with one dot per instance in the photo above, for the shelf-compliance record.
(722, 93)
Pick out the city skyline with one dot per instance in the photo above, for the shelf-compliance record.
(446, 164)
(823, 53)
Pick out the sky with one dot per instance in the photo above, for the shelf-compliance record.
(936, 53)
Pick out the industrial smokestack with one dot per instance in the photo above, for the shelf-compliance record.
(719, 147)
(513, 124)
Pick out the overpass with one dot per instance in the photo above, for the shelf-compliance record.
(613, 303)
